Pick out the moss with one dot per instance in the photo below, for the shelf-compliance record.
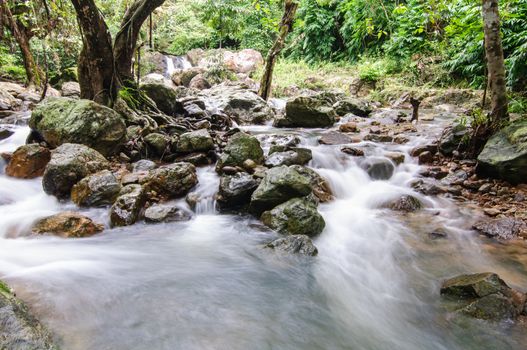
(5, 290)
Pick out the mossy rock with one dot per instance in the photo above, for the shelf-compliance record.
(241, 147)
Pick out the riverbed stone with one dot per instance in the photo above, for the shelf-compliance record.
(379, 168)
(67, 225)
(68, 165)
(165, 97)
(241, 147)
(505, 154)
(315, 111)
(453, 138)
(406, 203)
(5, 133)
(474, 285)
(28, 161)
(295, 244)
(195, 141)
(503, 228)
(172, 181)
(356, 106)
(334, 138)
(158, 213)
(297, 216)
(97, 190)
(279, 185)
(157, 142)
(65, 120)
(127, 208)
(293, 156)
(236, 190)
(319, 185)
(143, 165)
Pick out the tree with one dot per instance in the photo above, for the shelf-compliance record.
(105, 67)
(495, 63)
(286, 24)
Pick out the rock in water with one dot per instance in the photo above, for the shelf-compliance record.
(405, 203)
(241, 147)
(502, 228)
(309, 112)
(297, 216)
(165, 213)
(165, 97)
(319, 185)
(126, 209)
(67, 225)
(354, 106)
(236, 190)
(69, 164)
(279, 185)
(293, 156)
(65, 120)
(172, 181)
(96, 190)
(296, 244)
(19, 329)
(195, 141)
(474, 286)
(379, 168)
(505, 154)
(28, 161)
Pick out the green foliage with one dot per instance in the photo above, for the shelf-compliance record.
(10, 65)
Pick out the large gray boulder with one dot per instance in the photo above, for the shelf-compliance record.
(172, 181)
(241, 147)
(352, 105)
(279, 185)
(165, 97)
(505, 154)
(195, 141)
(68, 165)
(236, 190)
(65, 120)
(315, 111)
(96, 190)
(127, 208)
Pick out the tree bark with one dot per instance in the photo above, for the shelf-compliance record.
(290, 7)
(495, 63)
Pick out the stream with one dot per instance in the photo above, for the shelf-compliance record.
(209, 284)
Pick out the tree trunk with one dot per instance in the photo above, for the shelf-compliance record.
(495, 63)
(290, 7)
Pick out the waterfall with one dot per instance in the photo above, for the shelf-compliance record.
(176, 62)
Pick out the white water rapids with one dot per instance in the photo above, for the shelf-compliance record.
(209, 284)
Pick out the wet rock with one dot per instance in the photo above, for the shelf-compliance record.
(426, 157)
(294, 156)
(165, 97)
(71, 89)
(97, 190)
(474, 286)
(502, 228)
(334, 138)
(396, 157)
(143, 165)
(126, 209)
(65, 120)
(379, 168)
(199, 82)
(405, 203)
(428, 188)
(196, 159)
(19, 329)
(240, 147)
(378, 138)
(296, 244)
(236, 190)
(319, 185)
(157, 142)
(195, 141)
(314, 111)
(67, 225)
(349, 127)
(452, 139)
(297, 216)
(28, 161)
(278, 186)
(68, 165)
(5, 133)
(492, 307)
(505, 154)
(415, 152)
(354, 106)
(166, 213)
(185, 76)
(455, 178)
(172, 181)
(400, 139)
(353, 151)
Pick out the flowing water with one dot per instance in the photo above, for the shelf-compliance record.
(209, 283)
(175, 63)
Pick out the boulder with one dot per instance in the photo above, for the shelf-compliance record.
(405, 203)
(334, 138)
(236, 190)
(143, 165)
(452, 139)
(157, 142)
(245, 61)
(319, 185)
(297, 216)
(68, 165)
(199, 82)
(7, 101)
(474, 286)
(379, 168)
(354, 106)
(5, 133)
(19, 329)
(67, 225)
(126, 209)
(293, 156)
(65, 120)
(195, 141)
(308, 111)
(396, 157)
(502, 228)
(184, 76)
(240, 147)
(165, 97)
(71, 89)
(97, 190)
(172, 181)
(279, 185)
(296, 244)
(505, 154)
(28, 161)
(158, 213)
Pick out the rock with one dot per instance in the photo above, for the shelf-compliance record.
(308, 111)
(353, 151)
(156, 78)
(452, 139)
(378, 138)
(296, 244)
(166, 98)
(355, 106)
(67, 225)
(185, 76)
(455, 178)
(126, 209)
(172, 181)
(294, 156)
(349, 127)
(319, 185)
(195, 141)
(19, 329)
(245, 61)
(415, 152)
(474, 286)
(199, 82)
(334, 138)
(379, 168)
(71, 89)
(279, 185)
(240, 147)
(502, 228)
(7, 101)
(68, 165)
(505, 154)
(426, 158)
(196, 159)
(165, 213)
(158, 142)
(405, 203)
(396, 157)
(28, 161)
(492, 307)
(236, 190)
(5, 133)
(143, 165)
(97, 190)
(297, 216)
